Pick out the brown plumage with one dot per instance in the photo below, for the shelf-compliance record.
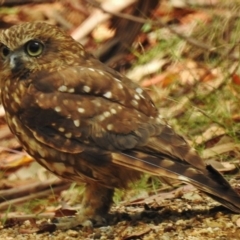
(87, 123)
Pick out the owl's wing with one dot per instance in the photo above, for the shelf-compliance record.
(83, 107)
(81, 104)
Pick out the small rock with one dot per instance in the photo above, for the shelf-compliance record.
(72, 233)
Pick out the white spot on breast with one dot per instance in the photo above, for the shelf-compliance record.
(134, 102)
(120, 86)
(62, 88)
(58, 168)
(139, 90)
(107, 114)
(98, 104)
(71, 90)
(86, 89)
(76, 123)
(101, 73)
(57, 109)
(101, 118)
(107, 94)
(68, 135)
(113, 111)
(109, 127)
(136, 96)
(91, 69)
(61, 129)
(81, 110)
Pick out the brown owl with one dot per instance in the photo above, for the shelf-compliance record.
(85, 122)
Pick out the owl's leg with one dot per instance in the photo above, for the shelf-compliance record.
(96, 203)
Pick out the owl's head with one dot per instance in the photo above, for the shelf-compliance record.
(36, 46)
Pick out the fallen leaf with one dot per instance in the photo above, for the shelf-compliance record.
(135, 232)
(211, 132)
(15, 160)
(220, 149)
(164, 79)
(236, 79)
(238, 222)
(161, 196)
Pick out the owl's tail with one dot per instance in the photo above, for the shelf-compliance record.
(204, 177)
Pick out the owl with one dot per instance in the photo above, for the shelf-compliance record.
(89, 124)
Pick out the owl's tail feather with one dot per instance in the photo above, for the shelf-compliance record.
(207, 179)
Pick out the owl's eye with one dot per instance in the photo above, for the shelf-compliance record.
(34, 48)
(4, 51)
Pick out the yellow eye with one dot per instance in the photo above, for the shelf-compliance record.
(34, 48)
(4, 51)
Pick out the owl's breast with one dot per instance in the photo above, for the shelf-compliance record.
(12, 94)
(59, 163)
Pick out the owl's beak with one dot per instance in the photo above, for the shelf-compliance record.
(15, 61)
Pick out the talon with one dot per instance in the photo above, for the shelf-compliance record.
(87, 224)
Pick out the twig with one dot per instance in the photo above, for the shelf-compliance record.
(21, 2)
(98, 16)
(30, 188)
(24, 217)
(42, 194)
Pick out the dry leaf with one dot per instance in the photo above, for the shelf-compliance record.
(236, 79)
(164, 80)
(158, 198)
(153, 66)
(135, 232)
(238, 222)
(210, 133)
(15, 160)
(221, 166)
(102, 32)
(220, 149)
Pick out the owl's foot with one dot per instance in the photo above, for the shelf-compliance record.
(65, 223)
(95, 205)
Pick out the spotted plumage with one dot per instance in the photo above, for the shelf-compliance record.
(87, 123)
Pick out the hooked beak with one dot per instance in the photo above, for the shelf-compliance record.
(15, 62)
